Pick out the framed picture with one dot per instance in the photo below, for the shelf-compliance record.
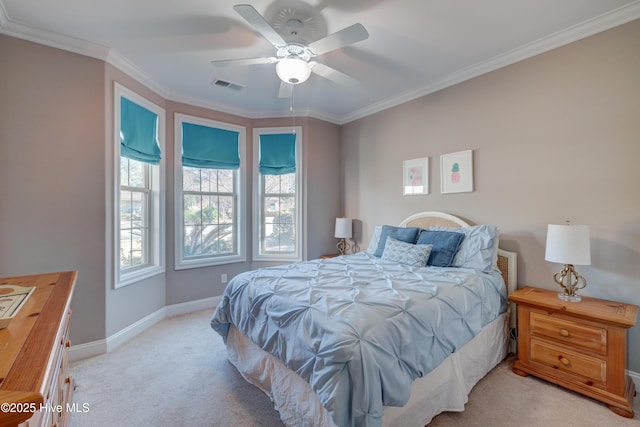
(12, 298)
(456, 171)
(415, 176)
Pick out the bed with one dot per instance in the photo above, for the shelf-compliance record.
(369, 339)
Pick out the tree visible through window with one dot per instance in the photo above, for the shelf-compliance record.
(279, 204)
(209, 189)
(134, 206)
(138, 196)
(277, 218)
(209, 211)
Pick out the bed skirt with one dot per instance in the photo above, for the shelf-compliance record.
(446, 388)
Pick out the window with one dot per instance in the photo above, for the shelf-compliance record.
(277, 213)
(209, 165)
(135, 189)
(139, 188)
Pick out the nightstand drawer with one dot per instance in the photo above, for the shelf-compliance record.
(582, 335)
(591, 368)
(578, 345)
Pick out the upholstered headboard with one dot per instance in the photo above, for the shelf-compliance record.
(506, 262)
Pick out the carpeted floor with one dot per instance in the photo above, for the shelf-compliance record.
(177, 374)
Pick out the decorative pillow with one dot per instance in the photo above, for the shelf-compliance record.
(404, 234)
(406, 253)
(375, 238)
(479, 248)
(445, 246)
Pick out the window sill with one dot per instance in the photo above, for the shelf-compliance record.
(208, 262)
(278, 258)
(127, 279)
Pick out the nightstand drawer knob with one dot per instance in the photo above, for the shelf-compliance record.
(564, 361)
(564, 332)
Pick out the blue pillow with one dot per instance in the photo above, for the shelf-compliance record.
(406, 253)
(404, 234)
(445, 246)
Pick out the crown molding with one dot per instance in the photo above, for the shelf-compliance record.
(51, 39)
(585, 29)
(561, 38)
(122, 63)
(263, 114)
(3, 15)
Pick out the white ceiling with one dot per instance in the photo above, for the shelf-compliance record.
(415, 47)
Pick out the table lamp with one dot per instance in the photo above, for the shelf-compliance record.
(343, 231)
(569, 245)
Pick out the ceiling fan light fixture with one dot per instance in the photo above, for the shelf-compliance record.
(293, 70)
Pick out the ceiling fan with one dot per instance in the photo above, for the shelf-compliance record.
(293, 58)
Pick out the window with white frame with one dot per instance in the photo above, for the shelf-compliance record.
(139, 187)
(209, 201)
(278, 199)
(135, 192)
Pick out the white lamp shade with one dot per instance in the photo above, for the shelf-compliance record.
(568, 244)
(343, 228)
(293, 70)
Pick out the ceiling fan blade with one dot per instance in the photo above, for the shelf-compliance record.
(333, 74)
(244, 61)
(286, 90)
(353, 34)
(257, 21)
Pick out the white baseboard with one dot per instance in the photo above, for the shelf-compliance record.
(635, 377)
(122, 336)
(86, 350)
(191, 306)
(95, 348)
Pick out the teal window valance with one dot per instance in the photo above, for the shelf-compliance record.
(277, 154)
(207, 147)
(138, 133)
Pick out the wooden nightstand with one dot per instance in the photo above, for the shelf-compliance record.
(578, 345)
(329, 256)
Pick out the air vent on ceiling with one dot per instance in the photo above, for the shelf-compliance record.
(223, 83)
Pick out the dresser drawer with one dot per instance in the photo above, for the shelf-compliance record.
(586, 336)
(573, 362)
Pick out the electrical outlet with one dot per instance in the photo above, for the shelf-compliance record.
(223, 278)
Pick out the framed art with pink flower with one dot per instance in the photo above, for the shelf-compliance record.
(415, 176)
(456, 171)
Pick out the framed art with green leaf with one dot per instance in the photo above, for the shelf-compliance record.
(456, 171)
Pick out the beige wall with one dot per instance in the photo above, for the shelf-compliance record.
(56, 184)
(197, 283)
(555, 137)
(128, 304)
(322, 204)
(52, 172)
(322, 182)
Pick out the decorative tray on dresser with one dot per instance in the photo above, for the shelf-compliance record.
(578, 345)
(35, 385)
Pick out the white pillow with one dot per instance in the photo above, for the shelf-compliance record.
(375, 239)
(406, 253)
(479, 248)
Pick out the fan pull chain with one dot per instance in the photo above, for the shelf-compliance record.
(291, 108)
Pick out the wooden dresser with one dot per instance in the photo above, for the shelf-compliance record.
(578, 345)
(35, 385)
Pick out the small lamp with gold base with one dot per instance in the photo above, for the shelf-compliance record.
(568, 245)
(343, 231)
